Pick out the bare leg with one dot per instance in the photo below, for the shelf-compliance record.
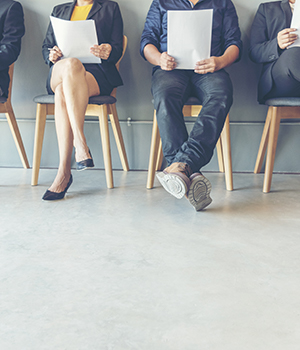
(78, 86)
(72, 86)
(65, 141)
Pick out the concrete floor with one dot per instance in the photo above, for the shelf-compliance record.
(136, 269)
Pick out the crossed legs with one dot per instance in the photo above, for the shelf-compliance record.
(72, 86)
(186, 154)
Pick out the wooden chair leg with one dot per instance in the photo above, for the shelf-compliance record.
(272, 144)
(220, 155)
(160, 155)
(155, 139)
(263, 143)
(41, 115)
(10, 116)
(226, 147)
(103, 122)
(113, 115)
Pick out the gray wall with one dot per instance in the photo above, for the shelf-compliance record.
(134, 99)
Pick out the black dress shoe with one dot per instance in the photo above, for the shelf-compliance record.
(85, 164)
(53, 196)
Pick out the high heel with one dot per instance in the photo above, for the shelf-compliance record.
(52, 196)
(85, 164)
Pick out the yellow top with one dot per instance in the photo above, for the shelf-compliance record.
(80, 13)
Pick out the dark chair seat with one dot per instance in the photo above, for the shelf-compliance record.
(3, 99)
(283, 102)
(190, 102)
(95, 100)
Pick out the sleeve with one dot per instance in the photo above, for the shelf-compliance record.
(49, 41)
(152, 30)
(262, 49)
(13, 30)
(116, 39)
(231, 31)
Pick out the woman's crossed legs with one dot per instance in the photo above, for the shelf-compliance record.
(72, 86)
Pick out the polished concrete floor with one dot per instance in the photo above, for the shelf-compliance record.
(136, 269)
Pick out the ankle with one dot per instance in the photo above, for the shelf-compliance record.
(179, 167)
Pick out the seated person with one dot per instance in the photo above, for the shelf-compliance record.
(11, 31)
(73, 82)
(269, 42)
(171, 88)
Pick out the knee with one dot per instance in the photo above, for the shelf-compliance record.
(73, 66)
(166, 102)
(292, 62)
(222, 98)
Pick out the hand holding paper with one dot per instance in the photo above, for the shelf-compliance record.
(295, 24)
(189, 36)
(102, 51)
(167, 62)
(75, 38)
(55, 54)
(286, 37)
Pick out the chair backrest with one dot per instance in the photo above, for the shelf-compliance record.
(125, 40)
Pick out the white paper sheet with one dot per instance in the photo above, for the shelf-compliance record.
(189, 36)
(75, 38)
(296, 23)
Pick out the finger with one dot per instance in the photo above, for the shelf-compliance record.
(168, 57)
(57, 49)
(288, 30)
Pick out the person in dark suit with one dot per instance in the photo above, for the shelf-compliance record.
(11, 31)
(270, 40)
(73, 82)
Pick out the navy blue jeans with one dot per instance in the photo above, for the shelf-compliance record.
(171, 89)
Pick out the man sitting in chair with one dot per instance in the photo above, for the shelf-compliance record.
(172, 87)
(11, 31)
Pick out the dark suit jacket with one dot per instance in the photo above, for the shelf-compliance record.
(271, 18)
(109, 28)
(11, 31)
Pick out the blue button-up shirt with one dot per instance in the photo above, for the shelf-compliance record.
(225, 29)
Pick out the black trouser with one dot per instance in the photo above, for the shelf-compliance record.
(286, 74)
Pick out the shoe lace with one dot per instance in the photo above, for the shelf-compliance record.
(185, 168)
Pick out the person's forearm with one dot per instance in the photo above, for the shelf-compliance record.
(152, 54)
(229, 57)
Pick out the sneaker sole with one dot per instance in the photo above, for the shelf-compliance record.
(199, 192)
(173, 184)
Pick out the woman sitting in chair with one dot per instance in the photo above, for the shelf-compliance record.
(74, 82)
(269, 44)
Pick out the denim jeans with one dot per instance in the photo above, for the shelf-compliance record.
(171, 89)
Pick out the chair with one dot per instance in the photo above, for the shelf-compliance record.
(279, 108)
(100, 106)
(6, 107)
(191, 109)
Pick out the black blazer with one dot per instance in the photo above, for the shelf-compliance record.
(11, 31)
(271, 18)
(109, 28)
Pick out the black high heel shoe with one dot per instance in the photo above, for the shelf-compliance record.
(85, 164)
(53, 196)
